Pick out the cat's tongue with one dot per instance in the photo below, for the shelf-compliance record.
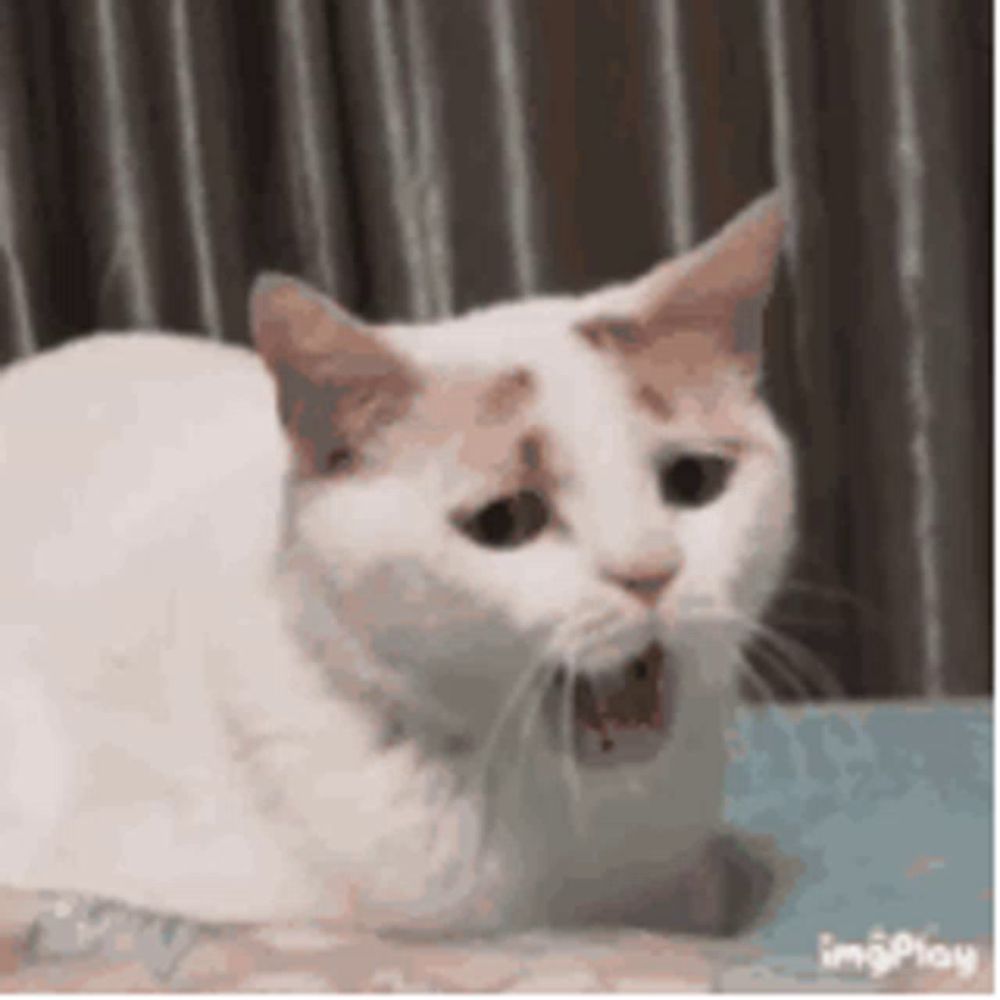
(619, 716)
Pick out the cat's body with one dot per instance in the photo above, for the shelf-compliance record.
(242, 686)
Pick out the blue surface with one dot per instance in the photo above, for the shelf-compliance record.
(888, 808)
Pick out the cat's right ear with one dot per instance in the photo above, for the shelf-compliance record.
(724, 282)
(337, 381)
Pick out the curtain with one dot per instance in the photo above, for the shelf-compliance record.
(419, 157)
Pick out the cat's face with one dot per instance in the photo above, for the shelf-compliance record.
(578, 495)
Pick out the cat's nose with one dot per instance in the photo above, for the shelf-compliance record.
(644, 585)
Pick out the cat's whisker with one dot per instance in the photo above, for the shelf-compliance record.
(751, 680)
(791, 679)
(795, 655)
(569, 769)
(717, 617)
(569, 640)
(527, 730)
(811, 587)
(483, 759)
(759, 684)
(755, 677)
(518, 691)
(792, 654)
(809, 621)
(572, 645)
(792, 682)
(835, 596)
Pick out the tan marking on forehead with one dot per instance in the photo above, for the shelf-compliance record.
(663, 366)
(506, 394)
(531, 451)
(537, 459)
(505, 455)
(484, 415)
(653, 401)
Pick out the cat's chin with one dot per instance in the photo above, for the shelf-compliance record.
(616, 716)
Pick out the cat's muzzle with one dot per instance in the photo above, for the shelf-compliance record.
(618, 715)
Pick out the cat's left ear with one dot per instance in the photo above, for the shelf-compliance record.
(724, 282)
(337, 381)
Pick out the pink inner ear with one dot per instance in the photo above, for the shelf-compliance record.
(712, 281)
(278, 306)
(337, 382)
(294, 324)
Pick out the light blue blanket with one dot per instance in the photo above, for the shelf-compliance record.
(888, 811)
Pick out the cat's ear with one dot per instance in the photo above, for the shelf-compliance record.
(337, 382)
(724, 281)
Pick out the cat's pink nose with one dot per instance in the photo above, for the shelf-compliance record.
(644, 586)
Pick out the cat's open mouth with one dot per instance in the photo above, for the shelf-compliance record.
(621, 715)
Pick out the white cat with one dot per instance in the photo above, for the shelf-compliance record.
(450, 646)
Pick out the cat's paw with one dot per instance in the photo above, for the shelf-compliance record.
(735, 884)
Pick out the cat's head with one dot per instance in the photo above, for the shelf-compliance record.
(583, 494)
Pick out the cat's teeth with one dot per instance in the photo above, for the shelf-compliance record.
(620, 716)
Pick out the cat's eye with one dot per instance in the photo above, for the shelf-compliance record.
(694, 480)
(508, 522)
(339, 460)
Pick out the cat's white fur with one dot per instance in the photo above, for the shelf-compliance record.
(187, 722)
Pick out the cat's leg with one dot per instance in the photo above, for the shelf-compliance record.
(729, 885)
(721, 888)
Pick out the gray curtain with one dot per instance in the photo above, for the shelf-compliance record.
(416, 157)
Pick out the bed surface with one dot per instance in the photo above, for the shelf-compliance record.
(882, 814)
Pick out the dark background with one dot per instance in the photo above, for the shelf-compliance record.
(417, 157)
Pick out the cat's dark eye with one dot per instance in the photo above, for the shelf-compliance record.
(508, 522)
(339, 460)
(694, 480)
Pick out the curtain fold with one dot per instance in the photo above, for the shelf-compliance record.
(24, 240)
(417, 158)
